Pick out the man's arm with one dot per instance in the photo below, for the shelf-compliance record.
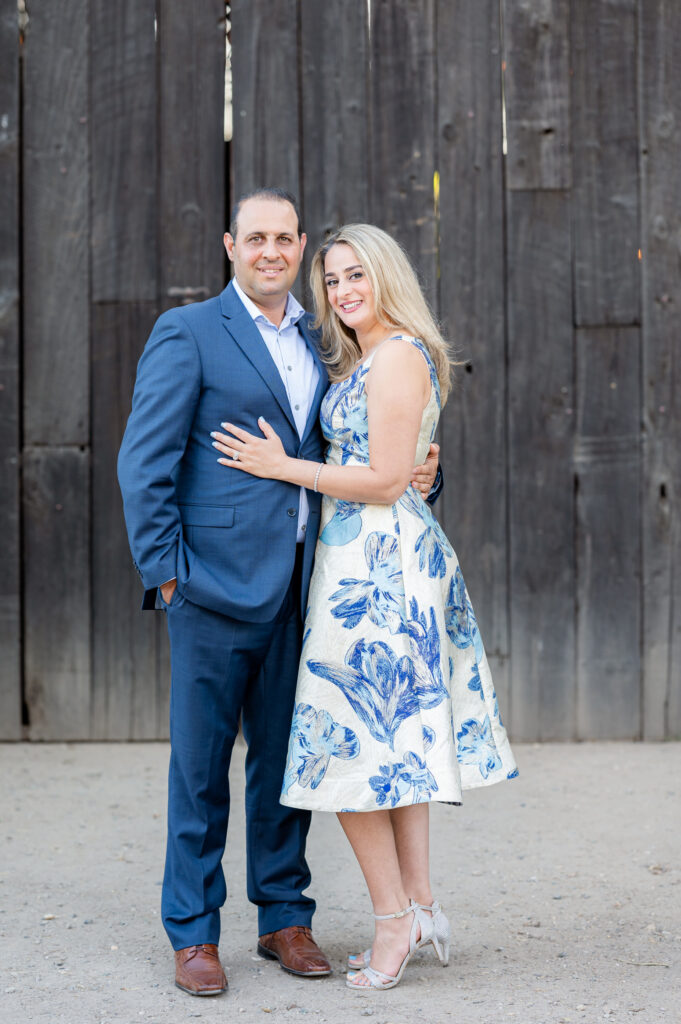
(166, 393)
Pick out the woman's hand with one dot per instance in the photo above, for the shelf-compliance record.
(423, 477)
(260, 456)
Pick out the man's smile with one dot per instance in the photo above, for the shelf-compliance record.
(271, 271)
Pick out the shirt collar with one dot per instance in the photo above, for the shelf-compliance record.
(292, 313)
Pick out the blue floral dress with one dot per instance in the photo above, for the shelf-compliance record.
(395, 703)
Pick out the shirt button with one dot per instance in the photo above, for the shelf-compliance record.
(289, 367)
(297, 407)
(291, 512)
(303, 527)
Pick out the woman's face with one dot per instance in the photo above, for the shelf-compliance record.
(348, 289)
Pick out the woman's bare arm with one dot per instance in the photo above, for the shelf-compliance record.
(397, 389)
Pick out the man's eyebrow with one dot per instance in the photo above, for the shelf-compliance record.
(346, 270)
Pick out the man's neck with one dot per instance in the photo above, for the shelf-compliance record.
(273, 307)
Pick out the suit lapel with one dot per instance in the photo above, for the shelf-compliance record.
(247, 336)
(323, 381)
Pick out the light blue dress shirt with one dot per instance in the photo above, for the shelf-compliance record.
(296, 367)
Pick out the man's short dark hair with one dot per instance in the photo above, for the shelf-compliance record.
(268, 192)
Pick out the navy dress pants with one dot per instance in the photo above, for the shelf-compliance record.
(223, 668)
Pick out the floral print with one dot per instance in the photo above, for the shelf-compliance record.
(381, 688)
(381, 596)
(345, 421)
(425, 653)
(395, 780)
(475, 682)
(477, 747)
(428, 738)
(431, 546)
(395, 702)
(315, 739)
(388, 784)
(461, 626)
(346, 524)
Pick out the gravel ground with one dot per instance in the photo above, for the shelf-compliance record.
(562, 887)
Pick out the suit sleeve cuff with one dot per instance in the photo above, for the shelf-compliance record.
(436, 489)
(160, 572)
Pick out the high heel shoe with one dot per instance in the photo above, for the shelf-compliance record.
(440, 936)
(379, 979)
(440, 939)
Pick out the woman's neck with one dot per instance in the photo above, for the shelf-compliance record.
(371, 339)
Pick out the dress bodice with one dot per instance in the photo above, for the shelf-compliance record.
(344, 418)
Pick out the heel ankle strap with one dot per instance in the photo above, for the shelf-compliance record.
(400, 913)
(433, 907)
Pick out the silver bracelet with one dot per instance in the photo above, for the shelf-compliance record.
(316, 476)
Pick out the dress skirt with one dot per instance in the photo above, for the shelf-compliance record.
(395, 703)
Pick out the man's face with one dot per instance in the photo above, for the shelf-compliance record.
(267, 250)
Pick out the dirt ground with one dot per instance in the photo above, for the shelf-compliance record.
(562, 886)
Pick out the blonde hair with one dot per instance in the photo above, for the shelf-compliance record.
(400, 303)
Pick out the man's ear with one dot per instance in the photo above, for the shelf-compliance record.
(303, 243)
(229, 246)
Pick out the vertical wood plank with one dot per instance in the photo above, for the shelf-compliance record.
(537, 86)
(10, 619)
(472, 310)
(124, 266)
(124, 130)
(660, 100)
(57, 592)
(608, 533)
(403, 129)
(55, 218)
(541, 432)
(192, 196)
(192, 150)
(265, 95)
(605, 162)
(335, 69)
(127, 702)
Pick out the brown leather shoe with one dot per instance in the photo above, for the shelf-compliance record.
(296, 951)
(198, 970)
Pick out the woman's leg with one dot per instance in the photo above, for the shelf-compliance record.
(372, 839)
(410, 828)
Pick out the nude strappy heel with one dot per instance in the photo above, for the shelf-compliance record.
(381, 980)
(440, 939)
(441, 933)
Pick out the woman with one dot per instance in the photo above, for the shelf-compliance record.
(395, 704)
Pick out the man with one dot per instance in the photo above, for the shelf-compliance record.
(231, 556)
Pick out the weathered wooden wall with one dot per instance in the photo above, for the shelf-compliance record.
(118, 182)
(555, 270)
(10, 386)
(526, 154)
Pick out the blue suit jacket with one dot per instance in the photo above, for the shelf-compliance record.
(228, 537)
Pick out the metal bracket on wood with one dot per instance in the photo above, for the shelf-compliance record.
(187, 294)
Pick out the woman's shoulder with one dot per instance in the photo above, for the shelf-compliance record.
(402, 350)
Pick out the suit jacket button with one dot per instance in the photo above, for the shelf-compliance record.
(291, 512)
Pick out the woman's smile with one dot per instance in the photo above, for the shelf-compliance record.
(349, 289)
